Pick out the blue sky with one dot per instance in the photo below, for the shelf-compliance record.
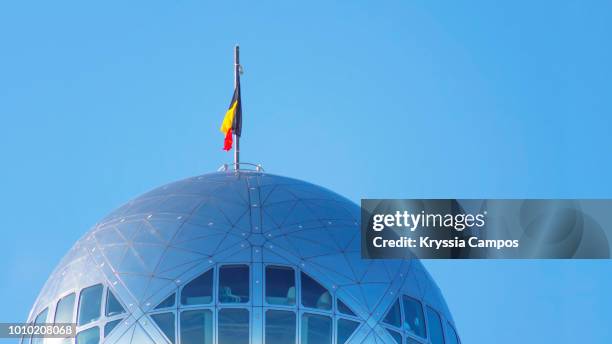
(100, 102)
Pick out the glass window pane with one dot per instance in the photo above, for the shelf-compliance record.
(435, 327)
(198, 291)
(316, 329)
(113, 307)
(396, 336)
(314, 295)
(40, 319)
(110, 326)
(394, 315)
(90, 301)
(280, 327)
(234, 284)
(165, 322)
(414, 318)
(452, 335)
(89, 336)
(168, 302)
(345, 330)
(196, 327)
(233, 326)
(343, 308)
(65, 309)
(280, 285)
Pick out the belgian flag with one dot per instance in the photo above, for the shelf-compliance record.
(232, 122)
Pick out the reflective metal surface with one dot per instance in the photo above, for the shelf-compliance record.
(150, 248)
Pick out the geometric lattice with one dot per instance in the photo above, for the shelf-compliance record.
(146, 250)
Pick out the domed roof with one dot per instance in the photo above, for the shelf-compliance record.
(157, 243)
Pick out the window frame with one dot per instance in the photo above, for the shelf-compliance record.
(295, 314)
(217, 285)
(296, 280)
(212, 303)
(425, 323)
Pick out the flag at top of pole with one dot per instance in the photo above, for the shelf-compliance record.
(232, 122)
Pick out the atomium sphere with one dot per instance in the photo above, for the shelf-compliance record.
(238, 258)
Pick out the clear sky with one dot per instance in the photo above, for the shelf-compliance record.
(100, 102)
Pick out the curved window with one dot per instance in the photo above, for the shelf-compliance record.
(314, 295)
(316, 329)
(196, 327)
(234, 284)
(345, 330)
(280, 327)
(280, 285)
(89, 336)
(109, 326)
(394, 315)
(414, 320)
(165, 322)
(343, 308)
(396, 336)
(113, 307)
(90, 301)
(65, 309)
(435, 326)
(40, 319)
(199, 290)
(452, 335)
(233, 326)
(168, 302)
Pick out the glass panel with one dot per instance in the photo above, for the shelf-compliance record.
(343, 308)
(234, 284)
(198, 291)
(414, 320)
(165, 322)
(40, 319)
(233, 326)
(452, 335)
(168, 302)
(314, 295)
(435, 327)
(280, 285)
(412, 341)
(316, 329)
(110, 326)
(394, 316)
(113, 307)
(280, 327)
(90, 301)
(65, 309)
(396, 336)
(89, 336)
(196, 327)
(346, 329)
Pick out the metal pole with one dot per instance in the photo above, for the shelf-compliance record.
(236, 76)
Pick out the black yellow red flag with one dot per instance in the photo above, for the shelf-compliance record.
(232, 122)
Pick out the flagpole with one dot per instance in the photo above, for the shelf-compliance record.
(236, 76)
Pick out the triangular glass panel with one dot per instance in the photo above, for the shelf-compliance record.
(168, 302)
(343, 308)
(109, 326)
(165, 322)
(113, 306)
(394, 316)
(346, 328)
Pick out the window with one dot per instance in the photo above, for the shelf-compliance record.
(394, 315)
(314, 295)
(234, 284)
(280, 327)
(345, 330)
(414, 321)
(343, 308)
(113, 307)
(435, 326)
(233, 326)
(196, 327)
(198, 291)
(452, 335)
(396, 336)
(90, 301)
(89, 336)
(168, 302)
(40, 319)
(65, 309)
(316, 329)
(280, 285)
(165, 322)
(109, 326)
